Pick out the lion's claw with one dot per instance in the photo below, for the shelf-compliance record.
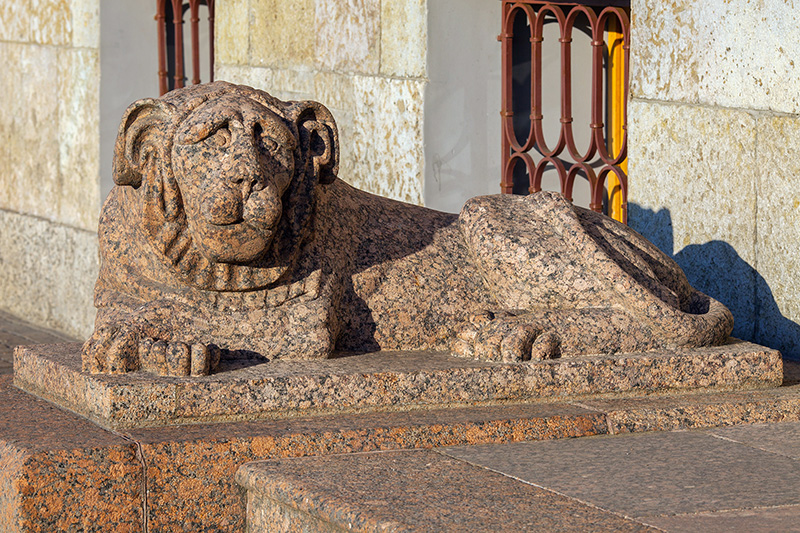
(503, 336)
(117, 349)
(177, 358)
(111, 350)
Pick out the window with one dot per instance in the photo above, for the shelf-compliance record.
(562, 59)
(171, 47)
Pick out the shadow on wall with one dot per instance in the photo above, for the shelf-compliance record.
(716, 269)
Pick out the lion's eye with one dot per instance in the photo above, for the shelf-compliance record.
(220, 138)
(269, 144)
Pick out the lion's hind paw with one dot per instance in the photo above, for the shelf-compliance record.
(503, 336)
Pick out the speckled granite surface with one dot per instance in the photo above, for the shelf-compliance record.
(59, 472)
(406, 491)
(252, 389)
(738, 478)
(198, 463)
(190, 464)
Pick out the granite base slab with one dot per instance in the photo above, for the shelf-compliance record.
(73, 474)
(381, 381)
(60, 472)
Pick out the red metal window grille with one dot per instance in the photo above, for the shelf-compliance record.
(525, 152)
(171, 73)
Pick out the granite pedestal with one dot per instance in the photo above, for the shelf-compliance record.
(62, 471)
(249, 389)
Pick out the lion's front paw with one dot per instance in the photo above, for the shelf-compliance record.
(112, 349)
(502, 336)
(177, 358)
(120, 348)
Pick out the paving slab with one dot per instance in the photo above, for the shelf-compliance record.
(15, 331)
(769, 520)
(191, 464)
(189, 471)
(689, 411)
(248, 389)
(406, 491)
(783, 439)
(648, 474)
(182, 466)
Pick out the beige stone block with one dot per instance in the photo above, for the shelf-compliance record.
(15, 20)
(10, 83)
(779, 233)
(49, 272)
(86, 23)
(51, 21)
(380, 125)
(79, 136)
(231, 38)
(29, 130)
(348, 35)
(404, 37)
(738, 53)
(692, 175)
(280, 33)
(281, 83)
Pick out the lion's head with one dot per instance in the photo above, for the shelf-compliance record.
(225, 177)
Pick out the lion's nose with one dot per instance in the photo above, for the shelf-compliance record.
(245, 172)
(223, 209)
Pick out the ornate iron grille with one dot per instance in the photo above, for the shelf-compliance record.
(603, 162)
(171, 73)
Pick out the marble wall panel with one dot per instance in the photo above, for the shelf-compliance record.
(49, 272)
(737, 53)
(283, 84)
(10, 77)
(78, 136)
(779, 233)
(381, 128)
(348, 35)
(281, 33)
(462, 103)
(15, 20)
(692, 173)
(86, 23)
(230, 41)
(29, 129)
(51, 21)
(404, 37)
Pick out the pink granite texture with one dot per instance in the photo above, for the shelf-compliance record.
(229, 232)
(59, 472)
(250, 389)
(62, 473)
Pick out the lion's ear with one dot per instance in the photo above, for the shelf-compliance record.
(142, 134)
(319, 137)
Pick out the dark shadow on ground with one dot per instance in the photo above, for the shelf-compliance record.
(717, 269)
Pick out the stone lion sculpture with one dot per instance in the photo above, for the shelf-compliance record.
(228, 230)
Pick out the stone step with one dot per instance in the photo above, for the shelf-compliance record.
(59, 471)
(406, 491)
(377, 382)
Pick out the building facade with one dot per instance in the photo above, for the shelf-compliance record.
(714, 120)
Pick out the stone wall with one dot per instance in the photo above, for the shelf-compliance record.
(714, 141)
(364, 59)
(49, 187)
